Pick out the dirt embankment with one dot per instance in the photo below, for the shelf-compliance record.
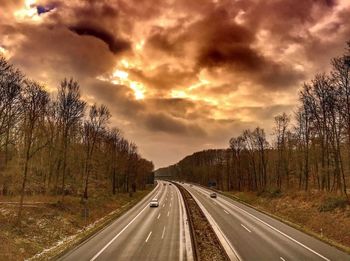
(46, 223)
(205, 242)
(323, 215)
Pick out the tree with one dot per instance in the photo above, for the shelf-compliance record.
(70, 110)
(34, 102)
(93, 127)
(237, 146)
(280, 130)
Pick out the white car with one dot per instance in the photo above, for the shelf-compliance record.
(213, 195)
(154, 203)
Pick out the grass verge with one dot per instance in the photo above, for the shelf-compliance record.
(49, 229)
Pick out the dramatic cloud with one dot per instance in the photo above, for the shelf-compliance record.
(178, 75)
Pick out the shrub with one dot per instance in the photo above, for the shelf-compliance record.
(270, 193)
(330, 204)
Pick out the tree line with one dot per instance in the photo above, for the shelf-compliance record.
(56, 144)
(307, 150)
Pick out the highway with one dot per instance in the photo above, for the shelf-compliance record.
(252, 235)
(142, 233)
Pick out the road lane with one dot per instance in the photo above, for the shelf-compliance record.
(140, 234)
(256, 236)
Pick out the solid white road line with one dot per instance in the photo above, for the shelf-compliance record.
(273, 228)
(150, 233)
(246, 228)
(168, 214)
(116, 236)
(282, 259)
(226, 212)
(158, 216)
(163, 232)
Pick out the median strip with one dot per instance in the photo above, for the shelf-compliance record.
(206, 245)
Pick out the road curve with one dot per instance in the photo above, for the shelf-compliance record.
(142, 233)
(256, 236)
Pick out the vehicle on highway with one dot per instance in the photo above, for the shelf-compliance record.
(169, 184)
(154, 203)
(213, 195)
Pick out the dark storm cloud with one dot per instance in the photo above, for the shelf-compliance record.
(229, 45)
(160, 122)
(59, 51)
(115, 45)
(181, 108)
(222, 43)
(286, 18)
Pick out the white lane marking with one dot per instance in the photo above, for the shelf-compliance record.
(246, 228)
(226, 212)
(170, 204)
(163, 232)
(275, 229)
(168, 214)
(150, 233)
(158, 216)
(282, 258)
(116, 236)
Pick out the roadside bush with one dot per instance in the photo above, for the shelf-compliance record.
(270, 193)
(330, 204)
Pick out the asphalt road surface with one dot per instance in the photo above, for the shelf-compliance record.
(252, 235)
(143, 233)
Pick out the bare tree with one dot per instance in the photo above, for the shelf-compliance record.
(34, 102)
(113, 137)
(93, 126)
(280, 130)
(70, 112)
(237, 147)
(10, 90)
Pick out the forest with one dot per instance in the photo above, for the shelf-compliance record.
(56, 144)
(307, 150)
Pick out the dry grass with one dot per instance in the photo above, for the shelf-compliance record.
(322, 215)
(45, 224)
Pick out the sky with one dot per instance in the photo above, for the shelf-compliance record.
(178, 76)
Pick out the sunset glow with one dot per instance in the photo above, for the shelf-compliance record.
(181, 70)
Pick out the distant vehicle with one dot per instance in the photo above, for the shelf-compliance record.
(213, 195)
(164, 184)
(154, 203)
(169, 184)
